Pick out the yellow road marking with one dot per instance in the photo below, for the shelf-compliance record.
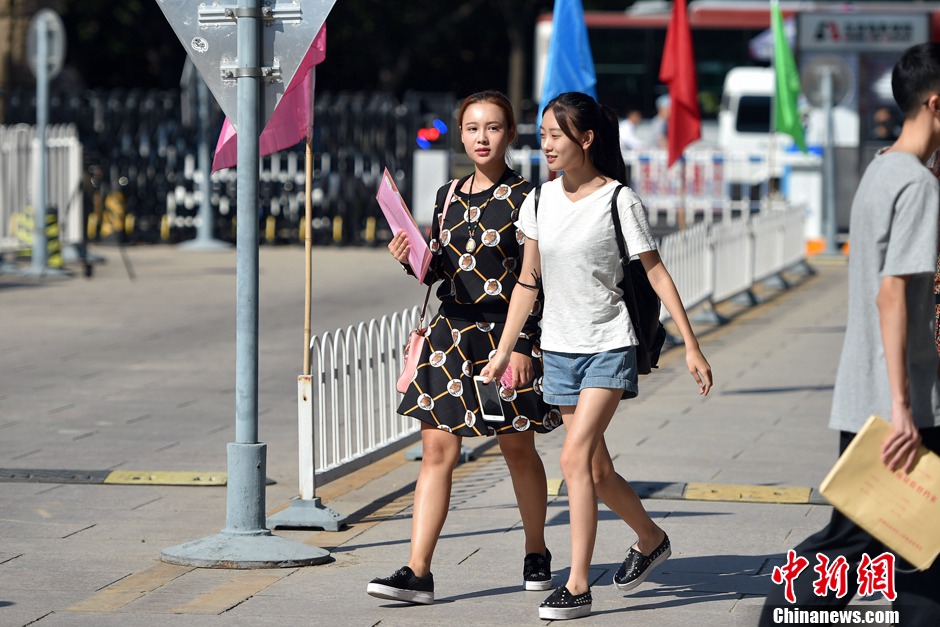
(174, 477)
(129, 589)
(746, 493)
(242, 586)
(555, 486)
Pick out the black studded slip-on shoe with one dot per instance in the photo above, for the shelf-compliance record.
(404, 585)
(637, 567)
(537, 571)
(562, 605)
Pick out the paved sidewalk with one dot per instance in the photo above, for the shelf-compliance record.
(154, 393)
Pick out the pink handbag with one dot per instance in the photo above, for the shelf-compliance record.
(412, 350)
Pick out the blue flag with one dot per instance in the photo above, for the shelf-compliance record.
(569, 66)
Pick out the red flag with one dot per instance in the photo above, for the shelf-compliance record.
(292, 119)
(678, 71)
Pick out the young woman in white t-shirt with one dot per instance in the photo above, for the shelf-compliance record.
(588, 343)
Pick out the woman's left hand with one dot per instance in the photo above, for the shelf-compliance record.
(522, 371)
(699, 369)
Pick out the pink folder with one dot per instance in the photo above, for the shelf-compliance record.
(400, 219)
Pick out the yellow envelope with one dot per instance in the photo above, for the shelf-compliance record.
(901, 510)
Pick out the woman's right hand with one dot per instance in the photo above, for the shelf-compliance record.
(399, 247)
(495, 368)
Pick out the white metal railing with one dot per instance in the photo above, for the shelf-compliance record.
(687, 256)
(355, 401)
(713, 262)
(731, 248)
(354, 369)
(18, 162)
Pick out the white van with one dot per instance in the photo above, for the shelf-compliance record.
(746, 107)
(745, 115)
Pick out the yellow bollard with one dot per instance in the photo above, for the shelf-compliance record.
(92, 227)
(338, 229)
(270, 229)
(115, 209)
(53, 245)
(24, 233)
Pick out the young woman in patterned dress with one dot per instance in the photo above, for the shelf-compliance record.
(477, 257)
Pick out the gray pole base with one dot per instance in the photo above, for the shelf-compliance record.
(307, 514)
(241, 551)
(199, 245)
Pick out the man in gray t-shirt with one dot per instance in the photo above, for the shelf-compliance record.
(893, 236)
(889, 360)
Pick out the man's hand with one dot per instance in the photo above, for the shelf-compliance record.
(900, 449)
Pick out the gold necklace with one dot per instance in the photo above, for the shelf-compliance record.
(473, 217)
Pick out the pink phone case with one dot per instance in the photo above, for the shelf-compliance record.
(506, 379)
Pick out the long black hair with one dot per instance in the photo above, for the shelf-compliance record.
(577, 113)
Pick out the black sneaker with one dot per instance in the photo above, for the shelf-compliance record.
(562, 605)
(403, 585)
(637, 567)
(537, 571)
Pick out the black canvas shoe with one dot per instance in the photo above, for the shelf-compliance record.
(537, 571)
(562, 605)
(637, 567)
(403, 585)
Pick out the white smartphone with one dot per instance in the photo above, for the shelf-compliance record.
(488, 397)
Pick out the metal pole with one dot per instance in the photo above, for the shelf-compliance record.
(204, 231)
(245, 542)
(246, 490)
(204, 240)
(42, 116)
(308, 248)
(829, 165)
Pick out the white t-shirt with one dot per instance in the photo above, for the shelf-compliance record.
(584, 310)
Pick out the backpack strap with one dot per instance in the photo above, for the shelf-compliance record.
(629, 297)
(618, 229)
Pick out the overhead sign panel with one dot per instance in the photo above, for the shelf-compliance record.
(861, 32)
(208, 33)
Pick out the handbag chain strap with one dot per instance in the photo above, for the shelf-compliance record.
(440, 227)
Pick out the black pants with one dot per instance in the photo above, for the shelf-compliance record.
(918, 592)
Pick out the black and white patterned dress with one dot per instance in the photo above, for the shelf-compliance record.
(474, 294)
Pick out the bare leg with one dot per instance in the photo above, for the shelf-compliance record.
(585, 425)
(619, 496)
(440, 453)
(529, 484)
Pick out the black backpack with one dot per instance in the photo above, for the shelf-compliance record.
(641, 299)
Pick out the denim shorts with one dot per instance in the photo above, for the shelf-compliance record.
(566, 374)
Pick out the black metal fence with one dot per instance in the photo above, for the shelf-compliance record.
(141, 156)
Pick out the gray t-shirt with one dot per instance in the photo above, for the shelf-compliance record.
(893, 232)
